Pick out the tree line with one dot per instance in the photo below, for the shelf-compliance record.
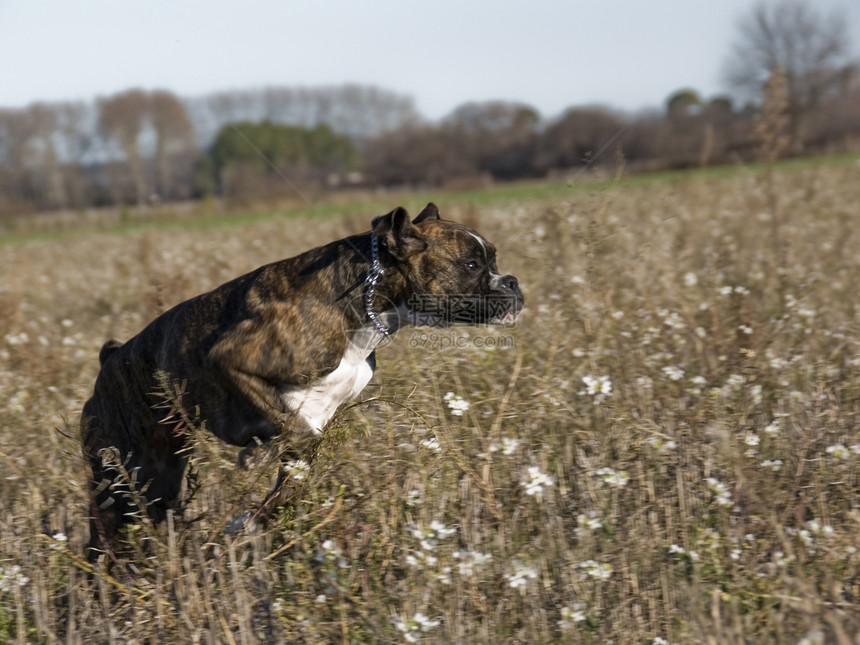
(137, 146)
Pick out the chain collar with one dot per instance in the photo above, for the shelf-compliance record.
(373, 276)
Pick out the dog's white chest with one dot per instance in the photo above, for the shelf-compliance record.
(317, 403)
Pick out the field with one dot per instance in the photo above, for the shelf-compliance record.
(664, 449)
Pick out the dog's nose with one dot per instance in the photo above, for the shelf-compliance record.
(509, 282)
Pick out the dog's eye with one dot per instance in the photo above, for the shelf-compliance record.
(472, 266)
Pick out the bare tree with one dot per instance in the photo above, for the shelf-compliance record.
(76, 138)
(417, 156)
(811, 48)
(44, 123)
(122, 117)
(576, 136)
(497, 137)
(173, 135)
(17, 186)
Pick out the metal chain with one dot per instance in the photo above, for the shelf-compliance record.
(370, 281)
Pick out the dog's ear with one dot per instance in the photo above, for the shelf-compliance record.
(430, 212)
(400, 237)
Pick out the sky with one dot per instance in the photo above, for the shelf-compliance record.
(552, 54)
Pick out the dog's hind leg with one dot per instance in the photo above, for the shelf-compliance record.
(278, 495)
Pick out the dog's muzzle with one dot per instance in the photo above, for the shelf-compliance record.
(505, 302)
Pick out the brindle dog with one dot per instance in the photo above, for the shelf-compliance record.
(276, 351)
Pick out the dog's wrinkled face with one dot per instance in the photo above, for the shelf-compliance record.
(451, 271)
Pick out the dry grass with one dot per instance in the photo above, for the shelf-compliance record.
(711, 497)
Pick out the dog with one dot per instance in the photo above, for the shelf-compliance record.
(275, 352)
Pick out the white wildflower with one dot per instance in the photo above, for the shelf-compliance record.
(673, 373)
(12, 577)
(17, 400)
(752, 440)
(838, 451)
(690, 279)
(444, 576)
(18, 339)
(735, 381)
(719, 491)
(818, 528)
(535, 481)
(520, 575)
(755, 393)
(412, 628)
(571, 615)
(457, 404)
(773, 464)
(644, 382)
(413, 498)
(588, 522)
(599, 387)
(440, 529)
(777, 363)
(425, 623)
(678, 550)
(429, 539)
(781, 560)
(613, 478)
(660, 445)
(60, 540)
(772, 428)
(509, 445)
(469, 560)
(431, 444)
(298, 469)
(807, 539)
(331, 548)
(596, 570)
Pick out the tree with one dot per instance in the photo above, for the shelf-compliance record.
(122, 118)
(576, 136)
(683, 103)
(44, 125)
(497, 137)
(174, 135)
(17, 186)
(811, 48)
(418, 156)
(248, 156)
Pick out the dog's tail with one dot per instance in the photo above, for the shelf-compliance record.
(107, 349)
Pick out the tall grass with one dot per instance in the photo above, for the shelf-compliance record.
(665, 448)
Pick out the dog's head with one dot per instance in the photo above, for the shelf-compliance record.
(450, 270)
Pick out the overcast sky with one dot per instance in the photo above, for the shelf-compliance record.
(627, 54)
